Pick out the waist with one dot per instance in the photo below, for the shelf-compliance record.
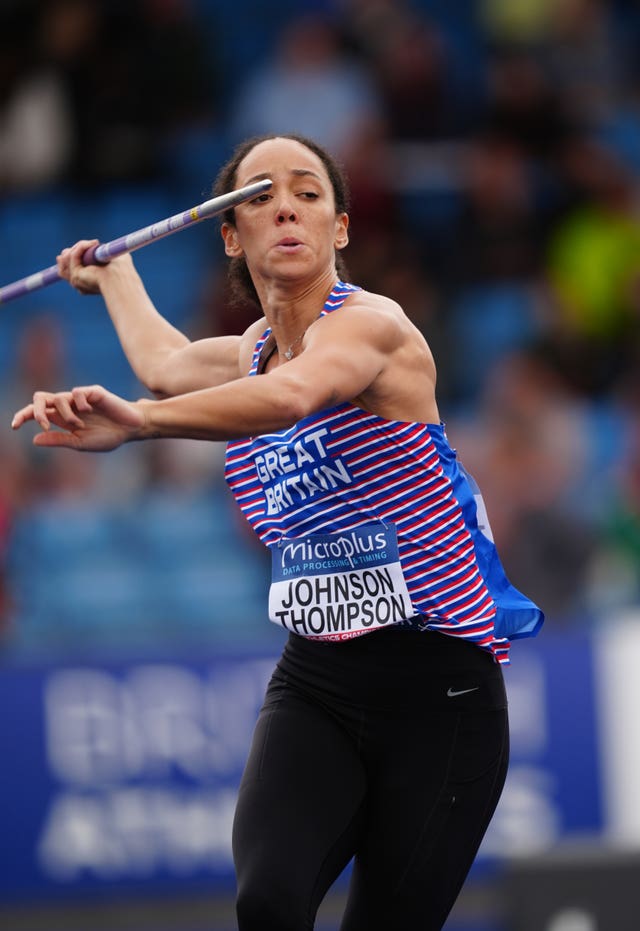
(396, 667)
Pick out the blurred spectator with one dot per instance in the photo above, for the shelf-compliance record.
(309, 86)
(524, 104)
(406, 53)
(516, 22)
(27, 478)
(36, 123)
(40, 363)
(528, 448)
(185, 69)
(582, 57)
(575, 40)
(366, 158)
(102, 82)
(492, 270)
(594, 270)
(501, 230)
(132, 73)
(184, 90)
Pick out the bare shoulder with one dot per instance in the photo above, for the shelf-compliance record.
(384, 318)
(369, 300)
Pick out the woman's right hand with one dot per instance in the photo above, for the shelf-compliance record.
(89, 418)
(86, 279)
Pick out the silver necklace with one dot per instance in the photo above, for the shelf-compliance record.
(288, 353)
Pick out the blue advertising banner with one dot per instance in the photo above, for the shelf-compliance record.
(554, 788)
(122, 774)
(125, 775)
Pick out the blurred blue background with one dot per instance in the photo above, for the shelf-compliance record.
(494, 153)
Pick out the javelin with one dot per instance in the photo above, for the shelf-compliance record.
(104, 252)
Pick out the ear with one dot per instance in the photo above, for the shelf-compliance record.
(232, 247)
(342, 235)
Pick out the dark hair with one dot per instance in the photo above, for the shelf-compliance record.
(241, 285)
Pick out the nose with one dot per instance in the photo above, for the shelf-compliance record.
(286, 214)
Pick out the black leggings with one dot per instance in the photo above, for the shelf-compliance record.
(391, 749)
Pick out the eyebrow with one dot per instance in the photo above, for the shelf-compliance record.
(298, 172)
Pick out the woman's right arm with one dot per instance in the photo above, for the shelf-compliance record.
(162, 357)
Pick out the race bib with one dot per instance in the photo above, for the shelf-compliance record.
(332, 586)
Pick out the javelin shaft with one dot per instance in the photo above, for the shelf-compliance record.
(104, 252)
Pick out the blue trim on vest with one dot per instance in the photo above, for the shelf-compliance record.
(516, 616)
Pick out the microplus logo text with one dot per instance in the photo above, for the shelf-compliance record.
(337, 552)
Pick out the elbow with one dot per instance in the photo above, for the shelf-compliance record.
(157, 380)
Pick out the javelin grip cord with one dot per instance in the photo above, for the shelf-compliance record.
(104, 252)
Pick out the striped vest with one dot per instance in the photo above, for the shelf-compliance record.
(344, 468)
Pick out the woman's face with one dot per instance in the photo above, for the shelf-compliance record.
(290, 231)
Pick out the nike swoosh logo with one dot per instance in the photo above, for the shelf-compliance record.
(451, 693)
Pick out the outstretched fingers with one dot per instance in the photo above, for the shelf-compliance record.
(89, 418)
(22, 416)
(47, 408)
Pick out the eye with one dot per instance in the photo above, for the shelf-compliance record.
(310, 195)
(260, 199)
